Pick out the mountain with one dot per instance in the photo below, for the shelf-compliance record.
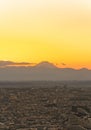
(45, 65)
(41, 71)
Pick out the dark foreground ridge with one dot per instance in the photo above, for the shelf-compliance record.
(59, 107)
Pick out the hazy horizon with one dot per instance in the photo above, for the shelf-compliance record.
(10, 71)
(5, 64)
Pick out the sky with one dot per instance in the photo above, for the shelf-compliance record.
(58, 31)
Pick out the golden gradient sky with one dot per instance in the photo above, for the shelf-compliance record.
(57, 31)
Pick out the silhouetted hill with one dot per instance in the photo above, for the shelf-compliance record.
(45, 65)
(41, 71)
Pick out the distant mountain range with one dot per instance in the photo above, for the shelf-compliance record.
(11, 71)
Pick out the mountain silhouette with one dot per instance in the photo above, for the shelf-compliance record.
(45, 64)
(42, 71)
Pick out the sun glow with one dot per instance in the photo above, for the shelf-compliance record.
(40, 30)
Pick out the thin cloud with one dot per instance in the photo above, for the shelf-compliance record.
(10, 64)
(5, 63)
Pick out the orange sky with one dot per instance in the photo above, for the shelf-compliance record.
(57, 31)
